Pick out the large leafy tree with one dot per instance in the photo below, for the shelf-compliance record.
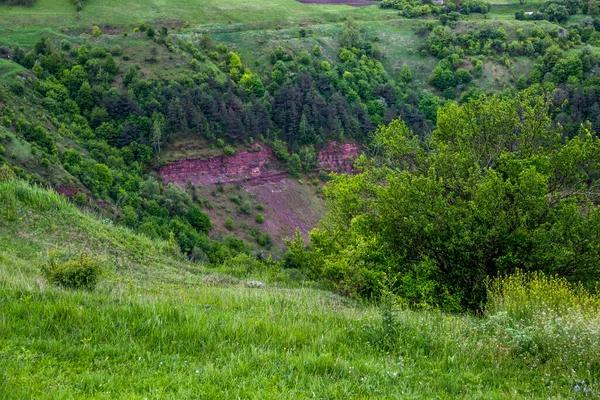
(495, 188)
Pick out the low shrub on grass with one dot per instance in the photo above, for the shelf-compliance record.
(79, 272)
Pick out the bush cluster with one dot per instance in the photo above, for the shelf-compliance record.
(79, 272)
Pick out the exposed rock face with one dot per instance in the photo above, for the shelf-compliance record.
(338, 157)
(243, 167)
(255, 166)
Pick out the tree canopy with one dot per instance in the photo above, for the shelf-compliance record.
(494, 189)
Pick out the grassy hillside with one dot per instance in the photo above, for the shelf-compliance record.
(160, 327)
(53, 16)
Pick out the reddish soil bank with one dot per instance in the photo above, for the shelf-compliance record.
(243, 167)
(67, 191)
(337, 157)
(353, 3)
(254, 167)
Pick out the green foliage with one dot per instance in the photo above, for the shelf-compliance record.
(405, 74)
(264, 240)
(440, 41)
(246, 207)
(199, 220)
(495, 183)
(79, 198)
(176, 200)
(6, 173)
(280, 150)
(442, 78)
(79, 272)
(295, 165)
(228, 150)
(229, 224)
(259, 219)
(131, 76)
(158, 307)
(308, 158)
(351, 36)
(129, 216)
(38, 135)
(252, 83)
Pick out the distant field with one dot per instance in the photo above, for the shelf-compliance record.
(60, 13)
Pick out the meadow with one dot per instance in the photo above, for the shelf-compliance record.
(158, 326)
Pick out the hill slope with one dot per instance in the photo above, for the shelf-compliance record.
(156, 327)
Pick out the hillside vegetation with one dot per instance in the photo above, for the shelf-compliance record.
(152, 152)
(157, 326)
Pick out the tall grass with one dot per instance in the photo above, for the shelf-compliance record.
(547, 320)
(36, 198)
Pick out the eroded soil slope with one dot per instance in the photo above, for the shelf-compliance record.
(254, 166)
(257, 175)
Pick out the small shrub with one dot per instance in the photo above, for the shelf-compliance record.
(79, 272)
(17, 88)
(280, 150)
(229, 151)
(229, 225)
(65, 45)
(295, 166)
(6, 173)
(195, 65)
(96, 31)
(259, 218)
(80, 198)
(116, 50)
(246, 207)
(264, 240)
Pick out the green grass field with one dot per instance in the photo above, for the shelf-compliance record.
(9, 70)
(55, 15)
(159, 327)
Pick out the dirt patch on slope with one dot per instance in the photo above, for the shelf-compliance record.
(288, 206)
(251, 166)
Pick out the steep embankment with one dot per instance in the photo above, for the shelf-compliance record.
(288, 203)
(254, 166)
